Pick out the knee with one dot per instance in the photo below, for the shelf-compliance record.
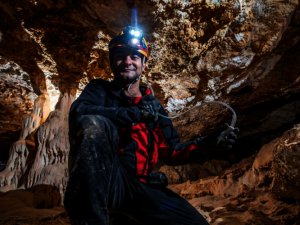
(96, 125)
(91, 122)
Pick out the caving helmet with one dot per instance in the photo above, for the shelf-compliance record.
(132, 38)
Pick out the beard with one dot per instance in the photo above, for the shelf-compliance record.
(127, 76)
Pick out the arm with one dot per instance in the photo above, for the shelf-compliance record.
(171, 150)
(93, 101)
(197, 150)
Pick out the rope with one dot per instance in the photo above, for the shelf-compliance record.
(233, 120)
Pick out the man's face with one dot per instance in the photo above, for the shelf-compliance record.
(126, 65)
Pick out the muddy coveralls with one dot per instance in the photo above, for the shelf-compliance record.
(112, 157)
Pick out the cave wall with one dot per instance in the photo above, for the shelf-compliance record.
(243, 52)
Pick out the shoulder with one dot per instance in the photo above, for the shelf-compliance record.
(97, 84)
(94, 93)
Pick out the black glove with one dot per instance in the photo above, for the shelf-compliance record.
(225, 140)
(149, 108)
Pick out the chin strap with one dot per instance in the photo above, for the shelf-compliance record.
(134, 81)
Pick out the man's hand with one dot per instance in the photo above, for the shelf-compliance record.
(225, 140)
(149, 108)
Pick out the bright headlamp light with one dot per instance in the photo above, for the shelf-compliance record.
(130, 37)
(134, 41)
(135, 36)
(135, 33)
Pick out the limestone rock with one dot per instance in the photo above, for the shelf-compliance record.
(268, 184)
(244, 53)
(16, 102)
(277, 165)
(22, 152)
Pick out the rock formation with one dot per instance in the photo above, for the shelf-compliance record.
(244, 53)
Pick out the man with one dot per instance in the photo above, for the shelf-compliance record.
(118, 132)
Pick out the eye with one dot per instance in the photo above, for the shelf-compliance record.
(135, 57)
(118, 56)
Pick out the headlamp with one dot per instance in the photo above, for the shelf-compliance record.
(134, 41)
(131, 37)
(134, 36)
(135, 33)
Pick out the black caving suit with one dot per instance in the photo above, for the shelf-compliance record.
(112, 156)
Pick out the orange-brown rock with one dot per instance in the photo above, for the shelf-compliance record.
(259, 190)
(245, 53)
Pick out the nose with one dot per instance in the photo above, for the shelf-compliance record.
(127, 60)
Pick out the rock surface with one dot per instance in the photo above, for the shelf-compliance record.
(259, 190)
(244, 53)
